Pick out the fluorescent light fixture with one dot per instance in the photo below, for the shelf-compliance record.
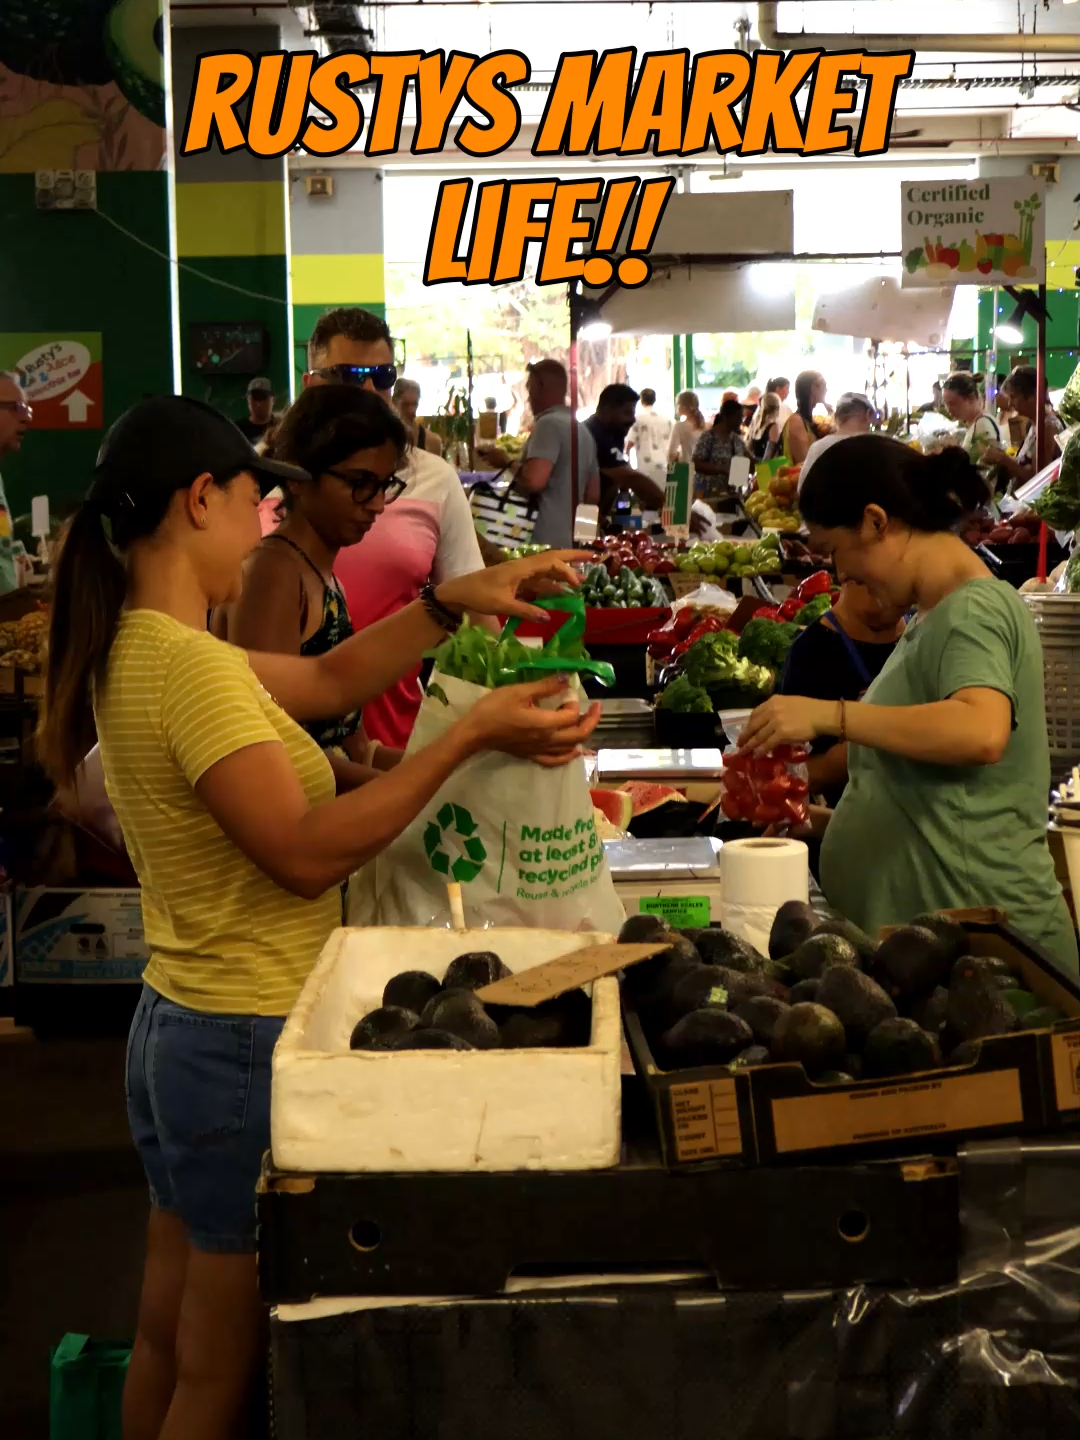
(595, 330)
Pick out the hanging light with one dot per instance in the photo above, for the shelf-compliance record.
(1010, 331)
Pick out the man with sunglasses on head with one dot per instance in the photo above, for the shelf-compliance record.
(426, 535)
(15, 417)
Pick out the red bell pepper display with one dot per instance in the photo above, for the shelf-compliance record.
(816, 584)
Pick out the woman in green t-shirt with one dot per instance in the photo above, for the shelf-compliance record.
(947, 752)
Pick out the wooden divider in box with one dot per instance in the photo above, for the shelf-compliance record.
(1020, 1084)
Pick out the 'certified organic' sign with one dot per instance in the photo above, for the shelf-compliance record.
(977, 232)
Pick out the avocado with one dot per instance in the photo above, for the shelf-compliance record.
(793, 923)
(705, 1037)
(460, 1013)
(475, 970)
(815, 955)
(133, 43)
(929, 1010)
(429, 1009)
(761, 1012)
(425, 1039)
(412, 990)
(911, 961)
(858, 1002)
(565, 1020)
(802, 991)
(850, 932)
(1042, 1019)
(656, 1003)
(746, 1059)
(977, 1008)
(810, 1035)
(951, 933)
(704, 987)
(643, 930)
(852, 1066)
(379, 1028)
(780, 971)
(1021, 1002)
(721, 947)
(990, 967)
(834, 1077)
(966, 1053)
(898, 1047)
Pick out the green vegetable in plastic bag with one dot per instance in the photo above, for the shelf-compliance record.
(1070, 581)
(1059, 504)
(1069, 409)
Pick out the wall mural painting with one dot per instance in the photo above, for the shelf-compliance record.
(82, 85)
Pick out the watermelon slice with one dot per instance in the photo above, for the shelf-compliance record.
(645, 797)
(615, 805)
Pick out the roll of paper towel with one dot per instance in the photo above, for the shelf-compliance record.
(756, 877)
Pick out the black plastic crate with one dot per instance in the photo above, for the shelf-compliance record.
(439, 1234)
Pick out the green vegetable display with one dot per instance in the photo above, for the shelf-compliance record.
(814, 610)
(725, 558)
(767, 642)
(685, 698)
(1069, 409)
(712, 658)
(1072, 574)
(624, 590)
(1059, 503)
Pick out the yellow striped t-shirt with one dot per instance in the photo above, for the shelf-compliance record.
(223, 938)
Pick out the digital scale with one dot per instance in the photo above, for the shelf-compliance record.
(678, 879)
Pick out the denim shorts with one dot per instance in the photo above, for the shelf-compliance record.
(198, 1099)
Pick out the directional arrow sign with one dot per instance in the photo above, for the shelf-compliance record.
(77, 406)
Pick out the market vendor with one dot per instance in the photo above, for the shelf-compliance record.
(353, 446)
(609, 426)
(838, 657)
(1021, 390)
(228, 811)
(947, 751)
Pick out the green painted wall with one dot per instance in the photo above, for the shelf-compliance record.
(1061, 335)
(73, 271)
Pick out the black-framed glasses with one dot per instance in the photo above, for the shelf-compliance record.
(19, 407)
(382, 377)
(365, 486)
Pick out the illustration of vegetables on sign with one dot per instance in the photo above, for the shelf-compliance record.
(985, 233)
(82, 85)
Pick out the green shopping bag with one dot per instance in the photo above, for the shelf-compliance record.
(86, 1382)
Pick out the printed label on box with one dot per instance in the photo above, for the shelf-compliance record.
(1066, 1052)
(684, 912)
(705, 1118)
(927, 1106)
(79, 936)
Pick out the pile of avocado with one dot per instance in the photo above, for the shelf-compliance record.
(419, 1012)
(826, 997)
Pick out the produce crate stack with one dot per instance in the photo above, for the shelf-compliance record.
(1057, 618)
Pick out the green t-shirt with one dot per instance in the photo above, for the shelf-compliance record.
(909, 837)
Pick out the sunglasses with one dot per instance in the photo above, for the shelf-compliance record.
(18, 407)
(382, 377)
(365, 486)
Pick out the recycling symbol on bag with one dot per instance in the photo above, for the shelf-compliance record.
(454, 828)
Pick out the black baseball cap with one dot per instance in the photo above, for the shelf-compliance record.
(167, 441)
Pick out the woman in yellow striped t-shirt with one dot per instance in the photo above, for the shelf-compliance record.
(230, 817)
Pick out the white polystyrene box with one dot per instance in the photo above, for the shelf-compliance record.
(338, 1109)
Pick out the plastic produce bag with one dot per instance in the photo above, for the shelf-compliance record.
(520, 839)
(86, 1383)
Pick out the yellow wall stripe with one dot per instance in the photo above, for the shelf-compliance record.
(336, 279)
(231, 219)
(1062, 258)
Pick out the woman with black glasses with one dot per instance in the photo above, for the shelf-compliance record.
(352, 445)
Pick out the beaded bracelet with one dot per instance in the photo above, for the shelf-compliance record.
(444, 618)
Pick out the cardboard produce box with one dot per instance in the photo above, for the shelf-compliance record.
(1020, 1083)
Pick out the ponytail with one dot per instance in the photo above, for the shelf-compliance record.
(88, 594)
(804, 399)
(931, 493)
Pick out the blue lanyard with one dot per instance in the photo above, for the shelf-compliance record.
(852, 650)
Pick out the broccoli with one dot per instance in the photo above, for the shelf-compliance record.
(684, 697)
(711, 659)
(813, 610)
(765, 642)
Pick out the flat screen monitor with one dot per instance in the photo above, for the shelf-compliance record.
(227, 348)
